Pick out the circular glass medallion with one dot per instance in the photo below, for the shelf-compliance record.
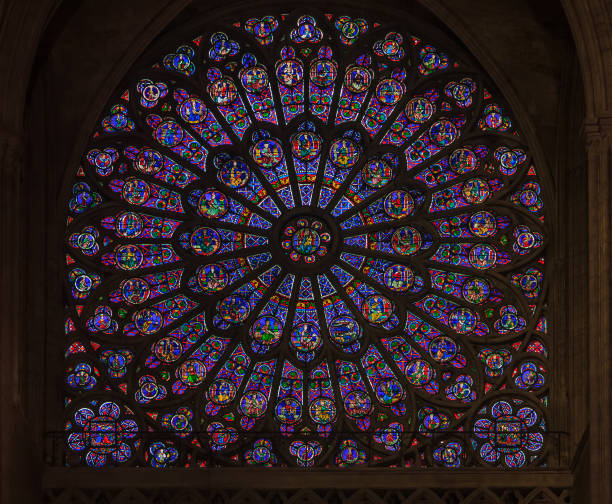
(322, 411)
(102, 319)
(475, 190)
(135, 290)
(267, 330)
(390, 47)
(234, 309)
(306, 145)
(419, 110)
(168, 349)
(323, 72)
(462, 161)
(288, 411)
(234, 174)
(254, 79)
(344, 330)
(443, 133)
(149, 161)
(391, 436)
(305, 337)
(306, 241)
(129, 257)
(398, 277)
(482, 256)
(389, 91)
(358, 404)
(376, 173)
(136, 191)
(377, 309)
(212, 278)
(205, 241)
(529, 282)
(351, 30)
(253, 404)
(406, 241)
(213, 204)
(169, 133)
(261, 455)
(344, 153)
(419, 372)
(349, 453)
(192, 372)
(267, 153)
(82, 282)
(389, 392)
(223, 91)
(462, 320)
(148, 320)
(129, 225)
(483, 224)
(442, 349)
(290, 72)
(87, 241)
(526, 240)
(222, 392)
(193, 110)
(399, 204)
(357, 79)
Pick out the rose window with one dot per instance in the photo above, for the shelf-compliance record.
(307, 240)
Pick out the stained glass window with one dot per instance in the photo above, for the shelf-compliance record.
(301, 240)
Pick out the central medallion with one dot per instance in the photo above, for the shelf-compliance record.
(306, 239)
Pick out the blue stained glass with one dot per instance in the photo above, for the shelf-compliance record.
(307, 240)
(224, 94)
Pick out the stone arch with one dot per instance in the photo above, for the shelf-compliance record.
(581, 20)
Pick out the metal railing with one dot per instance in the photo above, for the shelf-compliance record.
(198, 449)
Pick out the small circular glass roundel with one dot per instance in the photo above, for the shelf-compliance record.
(135, 290)
(399, 277)
(212, 278)
(344, 153)
(358, 79)
(344, 330)
(234, 309)
(288, 411)
(306, 240)
(255, 79)
(322, 411)
(222, 392)
(306, 145)
(129, 225)
(253, 404)
(376, 173)
(267, 330)
(234, 174)
(419, 110)
(305, 337)
(213, 204)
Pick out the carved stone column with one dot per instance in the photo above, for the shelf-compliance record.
(599, 142)
(18, 465)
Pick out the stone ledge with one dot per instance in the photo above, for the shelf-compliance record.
(286, 478)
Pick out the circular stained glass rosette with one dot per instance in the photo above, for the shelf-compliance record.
(222, 392)
(275, 229)
(377, 173)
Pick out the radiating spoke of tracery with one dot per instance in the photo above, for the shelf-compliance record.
(307, 240)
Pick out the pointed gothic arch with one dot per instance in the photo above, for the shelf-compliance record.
(79, 148)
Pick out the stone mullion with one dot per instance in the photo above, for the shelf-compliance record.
(599, 137)
(11, 331)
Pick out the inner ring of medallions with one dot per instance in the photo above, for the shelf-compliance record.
(305, 240)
